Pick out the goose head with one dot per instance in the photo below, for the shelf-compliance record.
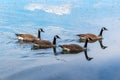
(104, 29)
(41, 30)
(57, 37)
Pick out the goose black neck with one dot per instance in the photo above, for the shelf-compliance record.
(54, 50)
(86, 42)
(101, 32)
(86, 55)
(54, 41)
(39, 36)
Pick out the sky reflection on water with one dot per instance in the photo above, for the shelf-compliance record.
(75, 16)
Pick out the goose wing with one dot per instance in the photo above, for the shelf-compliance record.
(87, 35)
(43, 44)
(91, 35)
(72, 47)
(83, 37)
(27, 37)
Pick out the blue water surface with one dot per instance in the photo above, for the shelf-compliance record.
(80, 16)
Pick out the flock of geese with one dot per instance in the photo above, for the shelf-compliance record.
(66, 48)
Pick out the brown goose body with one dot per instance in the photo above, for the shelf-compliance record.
(29, 37)
(75, 48)
(93, 37)
(45, 43)
(72, 48)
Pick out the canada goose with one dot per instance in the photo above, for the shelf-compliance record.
(41, 44)
(29, 37)
(75, 48)
(93, 37)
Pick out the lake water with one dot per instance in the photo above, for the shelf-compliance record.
(16, 57)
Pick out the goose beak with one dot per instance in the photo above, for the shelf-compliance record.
(59, 38)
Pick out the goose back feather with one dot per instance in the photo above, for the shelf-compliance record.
(46, 43)
(29, 37)
(26, 37)
(72, 48)
(94, 37)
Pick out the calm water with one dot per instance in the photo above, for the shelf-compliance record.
(15, 19)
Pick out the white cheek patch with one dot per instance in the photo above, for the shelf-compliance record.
(20, 38)
(56, 37)
(40, 30)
